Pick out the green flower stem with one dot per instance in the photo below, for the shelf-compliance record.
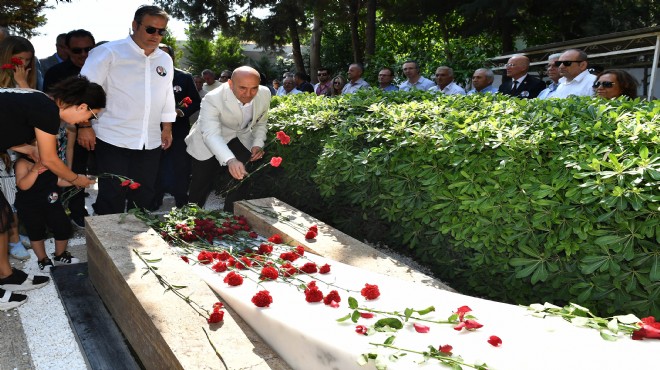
(402, 315)
(443, 359)
(201, 311)
(215, 349)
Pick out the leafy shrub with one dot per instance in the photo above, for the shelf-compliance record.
(515, 200)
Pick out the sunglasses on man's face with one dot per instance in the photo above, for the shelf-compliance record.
(604, 84)
(567, 63)
(80, 50)
(151, 30)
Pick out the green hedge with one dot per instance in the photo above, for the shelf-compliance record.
(514, 200)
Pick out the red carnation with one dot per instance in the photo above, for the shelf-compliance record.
(333, 296)
(220, 267)
(495, 341)
(265, 249)
(233, 279)
(276, 161)
(446, 349)
(649, 329)
(223, 256)
(262, 299)
(205, 257)
(16, 61)
(313, 295)
(310, 235)
(370, 291)
(309, 267)
(185, 259)
(126, 182)
(325, 269)
(361, 329)
(468, 325)
(314, 228)
(269, 273)
(134, 185)
(300, 250)
(283, 138)
(253, 235)
(366, 315)
(8, 66)
(217, 306)
(216, 317)
(276, 238)
(289, 256)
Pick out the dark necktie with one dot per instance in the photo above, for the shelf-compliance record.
(515, 87)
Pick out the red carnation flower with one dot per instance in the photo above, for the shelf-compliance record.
(461, 311)
(268, 273)
(468, 325)
(185, 259)
(446, 349)
(276, 161)
(233, 279)
(289, 256)
(220, 267)
(216, 317)
(8, 66)
(276, 238)
(325, 269)
(649, 329)
(253, 235)
(361, 329)
(125, 182)
(262, 299)
(205, 257)
(283, 138)
(495, 341)
(310, 235)
(265, 249)
(370, 291)
(134, 185)
(366, 315)
(217, 306)
(313, 295)
(421, 328)
(333, 296)
(223, 256)
(16, 61)
(314, 228)
(309, 267)
(300, 250)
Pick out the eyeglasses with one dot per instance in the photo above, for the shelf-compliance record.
(509, 65)
(93, 114)
(604, 84)
(151, 30)
(322, 74)
(567, 63)
(80, 50)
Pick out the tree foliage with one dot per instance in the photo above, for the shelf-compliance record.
(21, 17)
(216, 55)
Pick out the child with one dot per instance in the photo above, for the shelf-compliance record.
(17, 242)
(39, 206)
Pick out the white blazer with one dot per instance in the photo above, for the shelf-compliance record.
(220, 121)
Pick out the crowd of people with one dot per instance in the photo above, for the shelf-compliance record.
(121, 109)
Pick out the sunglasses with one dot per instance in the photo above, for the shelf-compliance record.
(567, 63)
(93, 114)
(604, 84)
(151, 30)
(321, 74)
(336, 83)
(80, 50)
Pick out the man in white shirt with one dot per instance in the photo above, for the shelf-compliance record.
(444, 79)
(128, 138)
(414, 81)
(230, 132)
(576, 79)
(552, 71)
(210, 83)
(355, 81)
(288, 87)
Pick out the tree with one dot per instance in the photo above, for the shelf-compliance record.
(22, 16)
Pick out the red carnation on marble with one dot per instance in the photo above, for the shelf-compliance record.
(649, 329)
(205, 257)
(233, 279)
(468, 325)
(361, 329)
(262, 299)
(446, 349)
(289, 256)
(309, 267)
(217, 306)
(276, 238)
(220, 267)
(370, 292)
(310, 235)
(253, 235)
(215, 317)
(461, 311)
(268, 273)
(495, 341)
(314, 228)
(185, 259)
(265, 249)
(300, 250)
(222, 256)
(333, 296)
(313, 295)
(276, 161)
(325, 269)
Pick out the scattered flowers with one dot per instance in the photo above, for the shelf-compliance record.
(361, 329)
(495, 341)
(649, 329)
(262, 299)
(233, 279)
(276, 161)
(325, 269)
(276, 238)
(312, 232)
(217, 315)
(370, 292)
(283, 138)
(421, 328)
(468, 325)
(333, 296)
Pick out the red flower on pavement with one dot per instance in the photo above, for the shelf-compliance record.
(314, 228)
(366, 315)
(650, 329)
(446, 349)
(276, 238)
(309, 267)
(370, 292)
(233, 279)
(216, 317)
(468, 325)
(217, 306)
(325, 269)
(300, 250)
(495, 341)
(310, 235)
(268, 273)
(361, 329)
(313, 295)
(283, 138)
(205, 257)
(333, 296)
(289, 256)
(421, 328)
(262, 299)
(276, 161)
(220, 267)
(265, 249)
(134, 185)
(253, 235)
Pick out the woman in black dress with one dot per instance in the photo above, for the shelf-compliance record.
(26, 115)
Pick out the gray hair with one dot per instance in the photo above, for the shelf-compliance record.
(490, 76)
(554, 56)
(448, 69)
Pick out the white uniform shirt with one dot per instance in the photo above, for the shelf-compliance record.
(421, 84)
(581, 85)
(139, 91)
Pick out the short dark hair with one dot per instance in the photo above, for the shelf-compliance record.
(149, 10)
(413, 62)
(78, 33)
(626, 81)
(77, 90)
(389, 69)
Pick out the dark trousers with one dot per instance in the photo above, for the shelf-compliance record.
(139, 165)
(206, 174)
(173, 174)
(79, 165)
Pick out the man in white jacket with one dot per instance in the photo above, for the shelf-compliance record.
(231, 130)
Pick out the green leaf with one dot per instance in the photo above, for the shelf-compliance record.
(426, 310)
(344, 318)
(352, 303)
(608, 337)
(391, 322)
(355, 316)
(654, 275)
(389, 340)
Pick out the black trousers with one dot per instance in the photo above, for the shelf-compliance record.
(79, 165)
(173, 174)
(207, 174)
(138, 165)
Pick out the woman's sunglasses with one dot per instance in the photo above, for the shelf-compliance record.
(604, 84)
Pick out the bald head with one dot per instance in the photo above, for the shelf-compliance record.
(244, 83)
(517, 66)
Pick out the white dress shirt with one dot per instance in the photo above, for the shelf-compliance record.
(581, 85)
(422, 84)
(451, 89)
(352, 87)
(139, 91)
